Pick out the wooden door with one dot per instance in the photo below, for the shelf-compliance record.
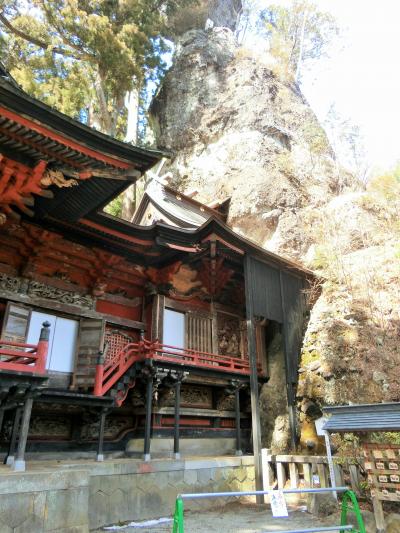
(90, 342)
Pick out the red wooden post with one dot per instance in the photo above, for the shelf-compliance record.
(98, 380)
(42, 348)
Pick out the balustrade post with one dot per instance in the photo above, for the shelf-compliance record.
(98, 380)
(43, 348)
(268, 473)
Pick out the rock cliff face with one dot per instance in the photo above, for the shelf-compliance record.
(235, 130)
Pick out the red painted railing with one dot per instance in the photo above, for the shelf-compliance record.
(185, 356)
(21, 357)
(109, 371)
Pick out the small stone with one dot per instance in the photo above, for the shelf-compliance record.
(271, 215)
(322, 504)
(379, 377)
(314, 365)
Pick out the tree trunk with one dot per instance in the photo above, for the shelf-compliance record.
(105, 117)
(132, 105)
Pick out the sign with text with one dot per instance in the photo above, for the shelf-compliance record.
(278, 504)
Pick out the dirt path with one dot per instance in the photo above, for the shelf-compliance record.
(237, 518)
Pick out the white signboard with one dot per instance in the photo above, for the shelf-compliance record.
(278, 504)
(319, 423)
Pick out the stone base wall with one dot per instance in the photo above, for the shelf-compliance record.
(46, 500)
(75, 498)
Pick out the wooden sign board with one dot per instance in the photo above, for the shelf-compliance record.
(382, 464)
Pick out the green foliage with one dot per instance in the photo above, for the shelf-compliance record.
(383, 197)
(385, 437)
(298, 32)
(115, 206)
(315, 137)
(83, 57)
(387, 184)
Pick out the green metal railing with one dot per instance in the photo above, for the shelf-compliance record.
(349, 503)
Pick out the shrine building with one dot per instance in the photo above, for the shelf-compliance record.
(123, 337)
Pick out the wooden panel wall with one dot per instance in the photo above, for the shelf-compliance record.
(199, 332)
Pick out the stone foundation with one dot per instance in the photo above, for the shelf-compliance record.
(77, 497)
(198, 447)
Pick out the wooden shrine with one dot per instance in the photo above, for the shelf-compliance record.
(112, 330)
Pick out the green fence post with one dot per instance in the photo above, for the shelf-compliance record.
(349, 495)
(178, 526)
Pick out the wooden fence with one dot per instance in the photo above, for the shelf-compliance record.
(308, 471)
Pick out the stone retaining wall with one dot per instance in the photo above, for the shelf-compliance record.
(74, 498)
(44, 501)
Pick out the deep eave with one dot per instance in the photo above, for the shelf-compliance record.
(26, 106)
(162, 243)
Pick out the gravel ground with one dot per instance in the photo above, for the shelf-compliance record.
(237, 518)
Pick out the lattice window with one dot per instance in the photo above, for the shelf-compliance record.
(115, 340)
(199, 332)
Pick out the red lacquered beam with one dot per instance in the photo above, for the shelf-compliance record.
(17, 353)
(19, 344)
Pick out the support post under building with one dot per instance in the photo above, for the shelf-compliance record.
(177, 416)
(147, 427)
(9, 460)
(19, 463)
(102, 423)
(255, 405)
(237, 414)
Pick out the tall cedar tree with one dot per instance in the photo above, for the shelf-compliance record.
(86, 57)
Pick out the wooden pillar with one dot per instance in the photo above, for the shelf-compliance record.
(1, 419)
(177, 455)
(102, 423)
(9, 460)
(255, 406)
(237, 414)
(291, 399)
(19, 463)
(147, 426)
(379, 515)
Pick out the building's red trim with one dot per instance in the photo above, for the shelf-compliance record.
(63, 140)
(183, 248)
(212, 236)
(114, 232)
